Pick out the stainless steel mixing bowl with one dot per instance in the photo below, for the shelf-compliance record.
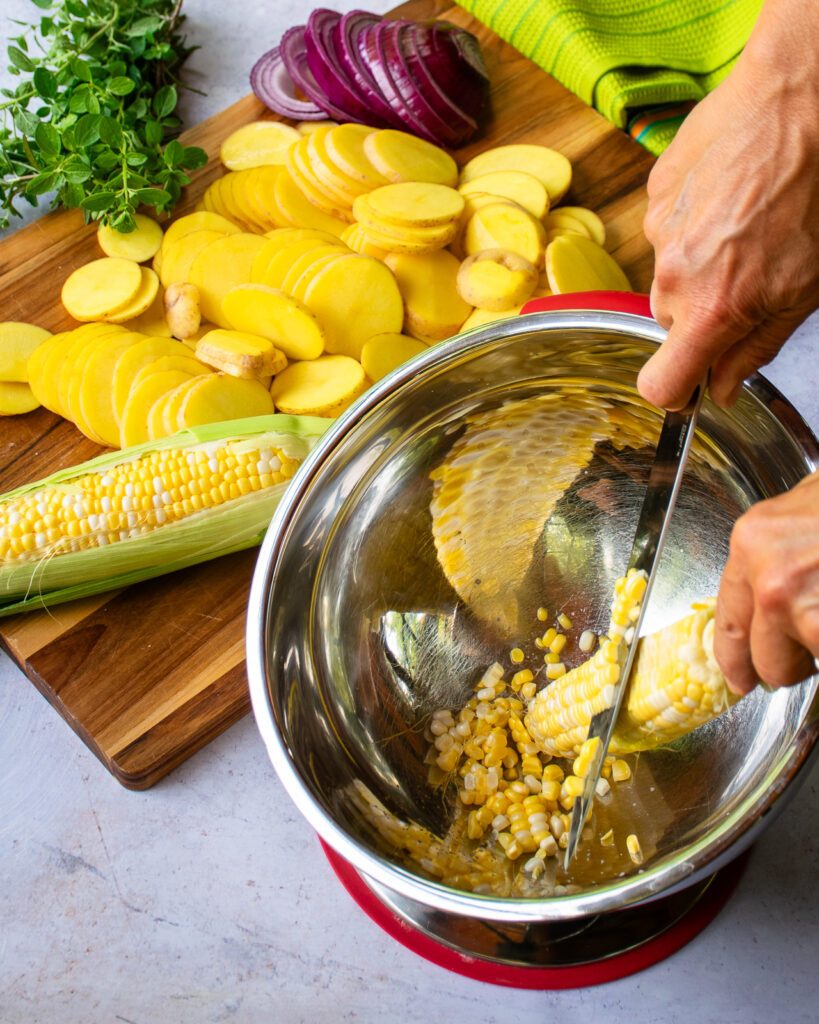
(356, 634)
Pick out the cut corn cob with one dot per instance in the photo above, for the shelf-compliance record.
(675, 686)
(147, 510)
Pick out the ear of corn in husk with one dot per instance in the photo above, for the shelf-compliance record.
(137, 513)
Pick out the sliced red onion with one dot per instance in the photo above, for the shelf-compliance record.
(347, 36)
(322, 59)
(390, 41)
(294, 54)
(272, 84)
(452, 63)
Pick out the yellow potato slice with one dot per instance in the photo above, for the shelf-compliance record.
(171, 405)
(280, 259)
(404, 241)
(177, 256)
(141, 302)
(279, 239)
(213, 201)
(300, 170)
(201, 221)
(594, 226)
(133, 428)
(194, 338)
(560, 220)
(302, 283)
(308, 127)
(67, 370)
(547, 165)
(385, 352)
(221, 266)
(219, 397)
(156, 264)
(433, 307)
(265, 186)
(399, 156)
(356, 239)
(302, 263)
(16, 398)
(482, 317)
(354, 298)
(18, 341)
(240, 354)
(496, 279)
(505, 225)
(522, 188)
(340, 186)
(156, 414)
(321, 387)
(96, 395)
(132, 360)
(289, 325)
(417, 233)
(237, 200)
(187, 363)
(138, 245)
(152, 321)
(415, 204)
(577, 264)
(101, 287)
(344, 146)
(35, 368)
(257, 143)
(298, 211)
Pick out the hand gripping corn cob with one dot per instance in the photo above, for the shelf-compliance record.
(675, 686)
(500, 482)
(147, 510)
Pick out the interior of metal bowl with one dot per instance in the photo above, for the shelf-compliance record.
(368, 614)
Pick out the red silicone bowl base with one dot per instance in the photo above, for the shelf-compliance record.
(618, 965)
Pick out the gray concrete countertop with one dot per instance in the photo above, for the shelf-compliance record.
(208, 899)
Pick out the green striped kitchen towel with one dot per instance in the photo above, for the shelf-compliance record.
(624, 56)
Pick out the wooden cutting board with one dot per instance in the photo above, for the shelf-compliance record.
(148, 675)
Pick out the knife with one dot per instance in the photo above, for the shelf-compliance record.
(660, 498)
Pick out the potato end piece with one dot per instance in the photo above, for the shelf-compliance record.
(182, 310)
(239, 354)
(496, 279)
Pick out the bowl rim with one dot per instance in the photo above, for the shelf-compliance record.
(675, 870)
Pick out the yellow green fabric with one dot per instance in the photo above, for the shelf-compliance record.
(622, 56)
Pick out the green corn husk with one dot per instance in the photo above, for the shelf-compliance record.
(209, 533)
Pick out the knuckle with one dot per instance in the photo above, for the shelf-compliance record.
(774, 591)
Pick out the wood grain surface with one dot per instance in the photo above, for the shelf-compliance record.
(148, 675)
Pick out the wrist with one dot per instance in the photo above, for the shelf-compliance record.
(782, 50)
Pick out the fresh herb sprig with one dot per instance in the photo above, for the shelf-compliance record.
(93, 116)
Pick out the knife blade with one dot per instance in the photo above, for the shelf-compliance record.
(664, 480)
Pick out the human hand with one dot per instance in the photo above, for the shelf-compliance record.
(767, 616)
(733, 216)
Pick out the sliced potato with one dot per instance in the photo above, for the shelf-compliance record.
(101, 287)
(201, 221)
(265, 186)
(156, 414)
(304, 280)
(269, 312)
(399, 156)
(38, 380)
(415, 204)
(496, 279)
(432, 306)
(16, 398)
(354, 298)
(70, 370)
(152, 321)
(186, 363)
(178, 255)
(588, 218)
(221, 266)
(237, 201)
(308, 127)
(141, 302)
(257, 143)
(171, 404)
(130, 362)
(522, 188)
(240, 354)
(298, 211)
(481, 317)
(306, 260)
(220, 397)
(338, 185)
(547, 165)
(560, 220)
(18, 341)
(577, 264)
(356, 239)
(95, 400)
(505, 225)
(385, 352)
(344, 147)
(301, 171)
(320, 387)
(133, 428)
(138, 245)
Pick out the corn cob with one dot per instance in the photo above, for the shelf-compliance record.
(501, 480)
(675, 686)
(146, 510)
